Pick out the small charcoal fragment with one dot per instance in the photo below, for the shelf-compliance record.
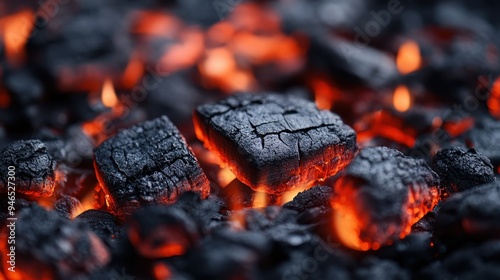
(161, 231)
(103, 224)
(67, 206)
(461, 169)
(470, 215)
(33, 169)
(274, 143)
(317, 196)
(380, 195)
(51, 247)
(148, 163)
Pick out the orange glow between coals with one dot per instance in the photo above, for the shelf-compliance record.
(15, 30)
(260, 200)
(408, 58)
(494, 99)
(353, 224)
(108, 94)
(401, 99)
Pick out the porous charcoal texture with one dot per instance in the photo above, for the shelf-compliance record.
(273, 142)
(103, 224)
(148, 163)
(461, 169)
(470, 215)
(34, 168)
(380, 195)
(317, 196)
(48, 246)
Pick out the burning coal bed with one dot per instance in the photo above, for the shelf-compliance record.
(244, 140)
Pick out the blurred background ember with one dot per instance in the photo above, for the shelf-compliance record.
(416, 76)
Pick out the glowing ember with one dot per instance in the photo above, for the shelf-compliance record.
(384, 124)
(494, 99)
(458, 128)
(153, 23)
(162, 271)
(402, 99)
(291, 194)
(376, 204)
(325, 93)
(133, 72)
(108, 95)
(185, 53)
(408, 58)
(260, 200)
(15, 30)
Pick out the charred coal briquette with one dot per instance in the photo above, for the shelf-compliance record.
(148, 163)
(48, 246)
(470, 215)
(160, 231)
(32, 166)
(314, 197)
(274, 142)
(484, 137)
(461, 169)
(380, 195)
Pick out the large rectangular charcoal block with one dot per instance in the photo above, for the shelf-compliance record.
(274, 142)
(148, 163)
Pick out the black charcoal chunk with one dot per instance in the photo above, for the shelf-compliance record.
(51, 247)
(159, 231)
(485, 138)
(474, 261)
(461, 169)
(386, 192)
(274, 142)
(318, 196)
(103, 224)
(67, 206)
(33, 168)
(148, 163)
(470, 215)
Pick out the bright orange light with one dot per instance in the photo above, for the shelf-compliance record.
(260, 200)
(87, 203)
(133, 72)
(15, 30)
(458, 128)
(225, 176)
(108, 94)
(408, 58)
(185, 53)
(218, 63)
(325, 94)
(494, 99)
(290, 195)
(162, 271)
(402, 98)
(154, 23)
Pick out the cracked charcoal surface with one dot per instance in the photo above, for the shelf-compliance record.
(103, 224)
(34, 168)
(49, 246)
(461, 169)
(275, 142)
(148, 163)
(317, 196)
(383, 179)
(470, 215)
